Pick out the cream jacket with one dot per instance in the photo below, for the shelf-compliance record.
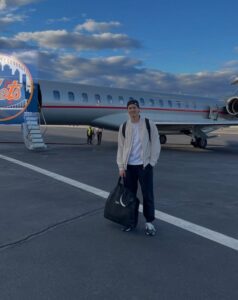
(150, 149)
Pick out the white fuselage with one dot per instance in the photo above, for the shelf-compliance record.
(69, 103)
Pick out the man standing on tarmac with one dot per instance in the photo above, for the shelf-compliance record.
(138, 152)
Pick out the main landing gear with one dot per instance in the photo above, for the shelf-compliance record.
(199, 137)
(199, 142)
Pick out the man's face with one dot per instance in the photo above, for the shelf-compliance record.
(133, 111)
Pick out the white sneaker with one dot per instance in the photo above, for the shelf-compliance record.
(150, 229)
(127, 229)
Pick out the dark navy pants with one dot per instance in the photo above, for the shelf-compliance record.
(145, 178)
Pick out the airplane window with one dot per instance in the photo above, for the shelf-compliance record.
(85, 97)
(71, 96)
(109, 99)
(161, 102)
(142, 101)
(121, 100)
(56, 95)
(152, 102)
(170, 103)
(98, 98)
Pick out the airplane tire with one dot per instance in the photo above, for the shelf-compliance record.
(194, 143)
(202, 143)
(199, 143)
(163, 139)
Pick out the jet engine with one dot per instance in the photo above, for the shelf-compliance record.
(232, 106)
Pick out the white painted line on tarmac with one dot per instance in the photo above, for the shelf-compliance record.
(199, 230)
(191, 227)
(58, 177)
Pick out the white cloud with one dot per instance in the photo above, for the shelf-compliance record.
(117, 71)
(63, 19)
(56, 39)
(10, 18)
(92, 26)
(8, 14)
(12, 43)
(124, 72)
(231, 64)
(6, 4)
(2, 4)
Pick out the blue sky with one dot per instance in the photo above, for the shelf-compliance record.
(177, 46)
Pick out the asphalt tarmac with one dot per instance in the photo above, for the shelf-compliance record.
(55, 243)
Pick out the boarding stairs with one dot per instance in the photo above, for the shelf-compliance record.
(31, 131)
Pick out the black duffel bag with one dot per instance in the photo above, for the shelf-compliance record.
(122, 206)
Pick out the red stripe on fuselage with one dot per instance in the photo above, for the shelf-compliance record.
(123, 108)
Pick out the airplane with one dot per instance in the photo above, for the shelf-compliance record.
(63, 103)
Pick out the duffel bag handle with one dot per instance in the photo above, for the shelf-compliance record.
(121, 179)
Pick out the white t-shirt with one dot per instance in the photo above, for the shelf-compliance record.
(135, 157)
